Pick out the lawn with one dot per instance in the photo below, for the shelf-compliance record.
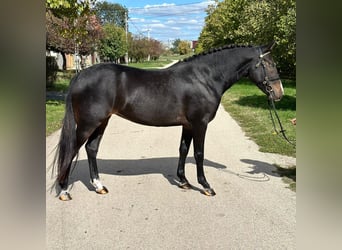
(55, 108)
(161, 62)
(150, 64)
(54, 115)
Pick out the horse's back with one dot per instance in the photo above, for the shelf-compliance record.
(150, 97)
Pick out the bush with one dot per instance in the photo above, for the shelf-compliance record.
(51, 70)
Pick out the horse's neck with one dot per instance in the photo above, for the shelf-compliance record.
(227, 69)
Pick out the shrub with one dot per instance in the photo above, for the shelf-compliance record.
(51, 70)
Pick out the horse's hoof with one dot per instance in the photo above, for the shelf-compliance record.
(103, 190)
(209, 192)
(65, 196)
(185, 185)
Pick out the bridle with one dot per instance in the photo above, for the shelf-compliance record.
(267, 81)
(268, 87)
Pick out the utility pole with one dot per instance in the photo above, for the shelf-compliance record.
(126, 28)
(76, 53)
(148, 38)
(148, 33)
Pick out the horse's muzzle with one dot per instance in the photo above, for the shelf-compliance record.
(277, 91)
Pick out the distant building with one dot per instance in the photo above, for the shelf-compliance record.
(193, 45)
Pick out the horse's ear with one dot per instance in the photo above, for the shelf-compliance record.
(271, 45)
(268, 47)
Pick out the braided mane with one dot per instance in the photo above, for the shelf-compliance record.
(213, 50)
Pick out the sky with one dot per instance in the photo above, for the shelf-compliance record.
(166, 20)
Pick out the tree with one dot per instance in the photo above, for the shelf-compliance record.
(111, 13)
(69, 19)
(113, 45)
(138, 48)
(253, 22)
(184, 48)
(175, 46)
(57, 41)
(71, 9)
(155, 48)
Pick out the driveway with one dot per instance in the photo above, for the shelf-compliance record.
(145, 209)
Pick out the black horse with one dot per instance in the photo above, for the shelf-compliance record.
(186, 94)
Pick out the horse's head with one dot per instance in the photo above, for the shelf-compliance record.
(264, 73)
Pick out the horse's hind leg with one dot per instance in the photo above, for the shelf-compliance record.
(81, 137)
(183, 152)
(92, 147)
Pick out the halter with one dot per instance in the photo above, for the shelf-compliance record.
(267, 81)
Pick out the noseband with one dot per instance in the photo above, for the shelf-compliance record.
(267, 81)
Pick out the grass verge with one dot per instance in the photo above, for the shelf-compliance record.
(248, 106)
(55, 109)
(54, 115)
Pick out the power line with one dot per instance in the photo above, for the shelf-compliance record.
(164, 6)
(172, 14)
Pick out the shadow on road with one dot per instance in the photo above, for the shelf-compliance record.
(165, 166)
(260, 167)
(288, 175)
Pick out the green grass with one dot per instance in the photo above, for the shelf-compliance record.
(54, 115)
(161, 62)
(54, 108)
(150, 64)
(62, 81)
(248, 106)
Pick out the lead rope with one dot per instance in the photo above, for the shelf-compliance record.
(282, 130)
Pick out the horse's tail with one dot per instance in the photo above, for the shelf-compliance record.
(67, 146)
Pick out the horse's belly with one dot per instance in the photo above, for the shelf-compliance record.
(162, 114)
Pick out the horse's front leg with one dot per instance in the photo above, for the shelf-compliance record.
(183, 152)
(199, 137)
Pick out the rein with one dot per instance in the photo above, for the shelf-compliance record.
(271, 104)
(272, 107)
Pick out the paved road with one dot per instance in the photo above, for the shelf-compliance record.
(145, 209)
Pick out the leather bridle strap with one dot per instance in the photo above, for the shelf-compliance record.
(267, 81)
(271, 106)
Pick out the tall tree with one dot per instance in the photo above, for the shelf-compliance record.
(56, 41)
(113, 45)
(111, 13)
(253, 22)
(70, 20)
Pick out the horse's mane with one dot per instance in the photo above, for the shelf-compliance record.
(213, 50)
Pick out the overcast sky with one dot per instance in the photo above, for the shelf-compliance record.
(166, 20)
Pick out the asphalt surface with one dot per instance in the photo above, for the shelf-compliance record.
(145, 209)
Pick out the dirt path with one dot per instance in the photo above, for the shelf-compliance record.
(144, 209)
